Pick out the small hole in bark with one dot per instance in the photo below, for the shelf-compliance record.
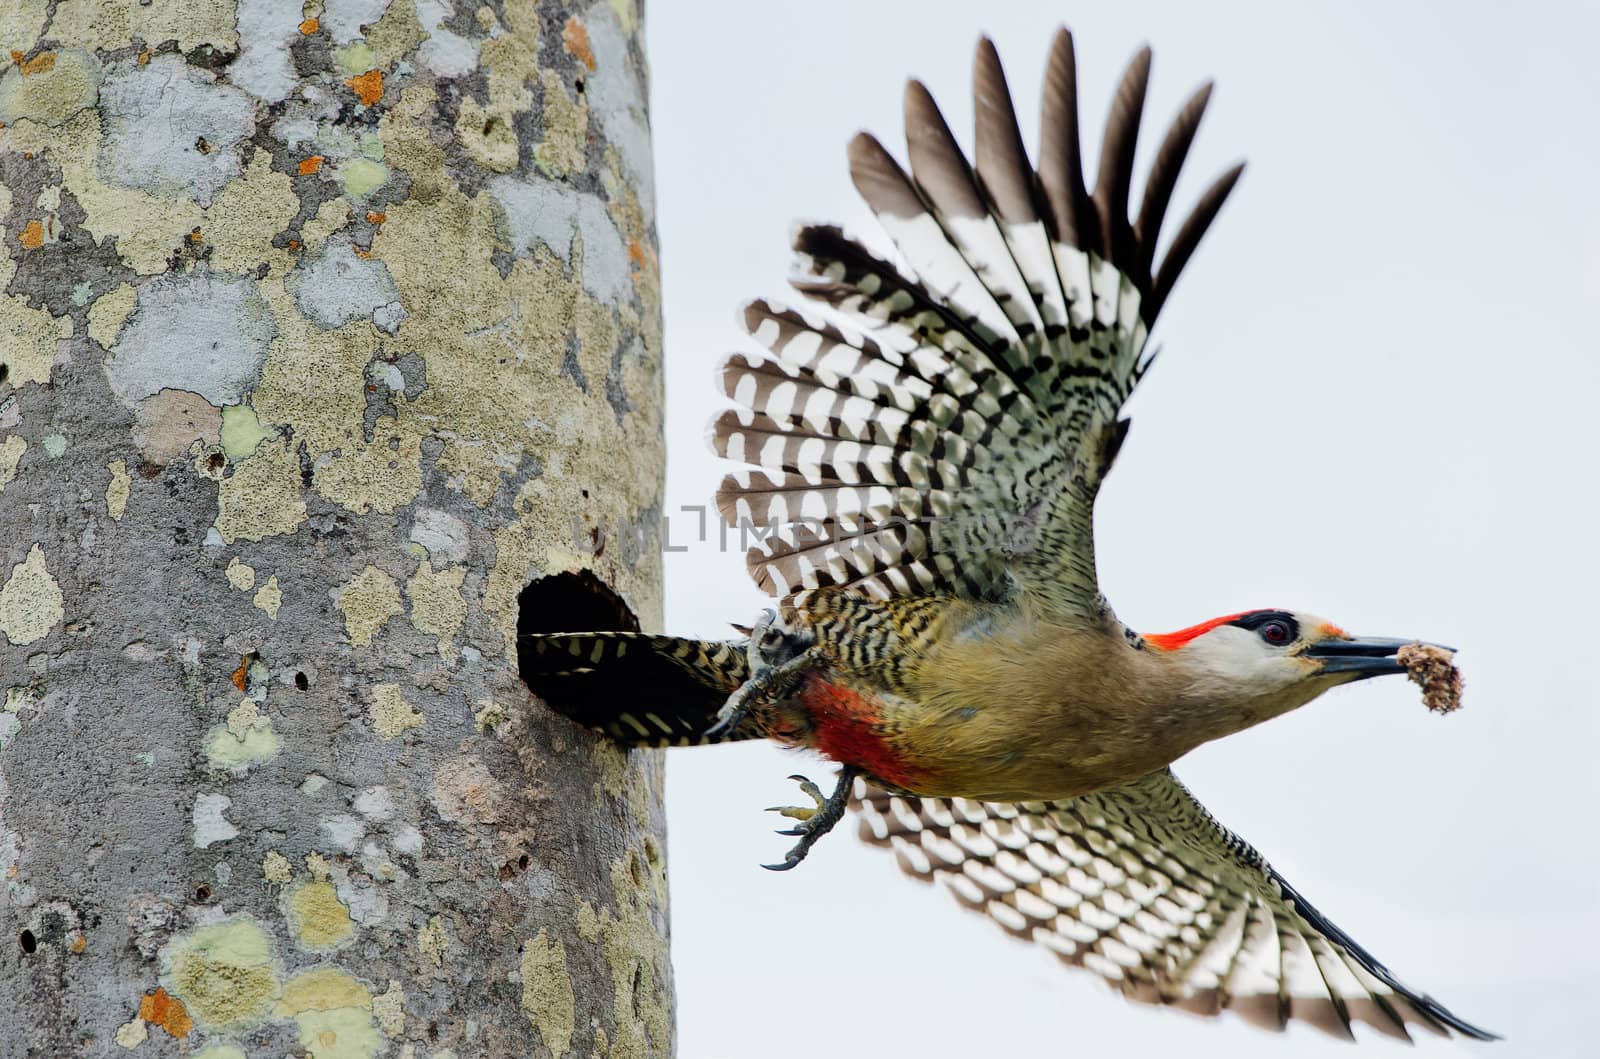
(30, 944)
(433, 1031)
(300, 682)
(215, 461)
(578, 84)
(5, 371)
(523, 861)
(202, 893)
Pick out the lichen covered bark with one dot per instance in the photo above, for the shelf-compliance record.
(324, 329)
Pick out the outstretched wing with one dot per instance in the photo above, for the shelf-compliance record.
(946, 427)
(1143, 886)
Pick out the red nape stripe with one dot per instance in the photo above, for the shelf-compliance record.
(845, 728)
(1171, 641)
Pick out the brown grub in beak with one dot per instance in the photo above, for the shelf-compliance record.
(1434, 669)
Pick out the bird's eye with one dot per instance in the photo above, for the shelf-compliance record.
(1276, 633)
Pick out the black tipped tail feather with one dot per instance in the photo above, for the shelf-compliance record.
(639, 689)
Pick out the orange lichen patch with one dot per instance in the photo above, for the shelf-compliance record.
(309, 26)
(144, 57)
(195, 237)
(78, 944)
(42, 63)
(636, 253)
(240, 673)
(294, 245)
(32, 235)
(368, 87)
(376, 217)
(16, 56)
(310, 165)
(167, 1011)
(575, 38)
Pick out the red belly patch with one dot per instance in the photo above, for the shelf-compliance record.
(846, 726)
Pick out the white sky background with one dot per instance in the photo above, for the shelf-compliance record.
(1376, 402)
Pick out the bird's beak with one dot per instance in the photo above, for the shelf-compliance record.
(1371, 656)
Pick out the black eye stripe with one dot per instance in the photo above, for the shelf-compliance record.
(1257, 618)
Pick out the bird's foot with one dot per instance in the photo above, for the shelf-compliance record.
(815, 820)
(768, 681)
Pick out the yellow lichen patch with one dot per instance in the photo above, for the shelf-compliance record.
(30, 602)
(276, 869)
(108, 313)
(246, 739)
(269, 597)
(224, 973)
(31, 336)
(566, 128)
(241, 220)
(490, 716)
(146, 227)
(262, 497)
(11, 450)
(432, 942)
(50, 88)
(162, 1009)
(373, 477)
(132, 1033)
(390, 714)
(317, 918)
(97, 24)
(389, 1008)
(242, 432)
(118, 490)
(636, 952)
(362, 176)
(241, 576)
(547, 997)
(167, 424)
(368, 87)
(356, 57)
(368, 602)
(486, 136)
(436, 604)
(333, 1013)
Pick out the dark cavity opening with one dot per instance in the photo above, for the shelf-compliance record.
(300, 682)
(30, 944)
(202, 893)
(572, 602)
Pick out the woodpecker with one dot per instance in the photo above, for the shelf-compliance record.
(924, 445)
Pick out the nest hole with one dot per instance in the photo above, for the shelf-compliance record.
(572, 602)
(29, 943)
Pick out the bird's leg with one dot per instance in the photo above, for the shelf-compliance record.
(768, 681)
(814, 821)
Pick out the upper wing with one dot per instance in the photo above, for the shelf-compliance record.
(1141, 885)
(949, 433)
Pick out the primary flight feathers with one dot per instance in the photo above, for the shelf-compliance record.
(946, 431)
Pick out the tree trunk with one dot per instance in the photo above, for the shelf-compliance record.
(324, 329)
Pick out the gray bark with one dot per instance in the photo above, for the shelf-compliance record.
(324, 330)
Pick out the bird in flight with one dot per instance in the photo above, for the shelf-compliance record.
(926, 440)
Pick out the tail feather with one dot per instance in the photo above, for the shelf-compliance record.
(641, 690)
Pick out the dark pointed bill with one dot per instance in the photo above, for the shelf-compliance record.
(1370, 656)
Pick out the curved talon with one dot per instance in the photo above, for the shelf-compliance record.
(813, 822)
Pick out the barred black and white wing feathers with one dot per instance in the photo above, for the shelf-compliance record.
(1143, 886)
(944, 429)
